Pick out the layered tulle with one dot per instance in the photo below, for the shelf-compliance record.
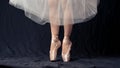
(58, 12)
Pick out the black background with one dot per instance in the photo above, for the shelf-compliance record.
(21, 37)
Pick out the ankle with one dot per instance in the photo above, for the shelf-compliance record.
(54, 37)
(66, 38)
(66, 41)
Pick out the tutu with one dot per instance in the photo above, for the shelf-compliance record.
(59, 12)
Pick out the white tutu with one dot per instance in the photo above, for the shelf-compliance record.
(58, 12)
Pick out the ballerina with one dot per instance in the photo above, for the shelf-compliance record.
(58, 13)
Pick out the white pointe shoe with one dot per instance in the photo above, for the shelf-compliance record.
(66, 48)
(55, 45)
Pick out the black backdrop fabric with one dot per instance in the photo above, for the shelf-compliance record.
(21, 37)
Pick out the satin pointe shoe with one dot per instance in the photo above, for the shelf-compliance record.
(66, 48)
(55, 45)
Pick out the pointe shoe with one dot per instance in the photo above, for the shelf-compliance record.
(55, 45)
(66, 48)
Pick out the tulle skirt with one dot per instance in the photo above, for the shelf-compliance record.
(59, 12)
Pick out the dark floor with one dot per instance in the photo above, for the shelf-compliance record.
(108, 62)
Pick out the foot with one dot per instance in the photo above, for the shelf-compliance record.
(55, 45)
(66, 47)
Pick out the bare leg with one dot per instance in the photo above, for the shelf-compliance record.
(66, 46)
(54, 17)
(67, 18)
(54, 21)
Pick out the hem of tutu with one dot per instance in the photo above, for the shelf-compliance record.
(33, 16)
